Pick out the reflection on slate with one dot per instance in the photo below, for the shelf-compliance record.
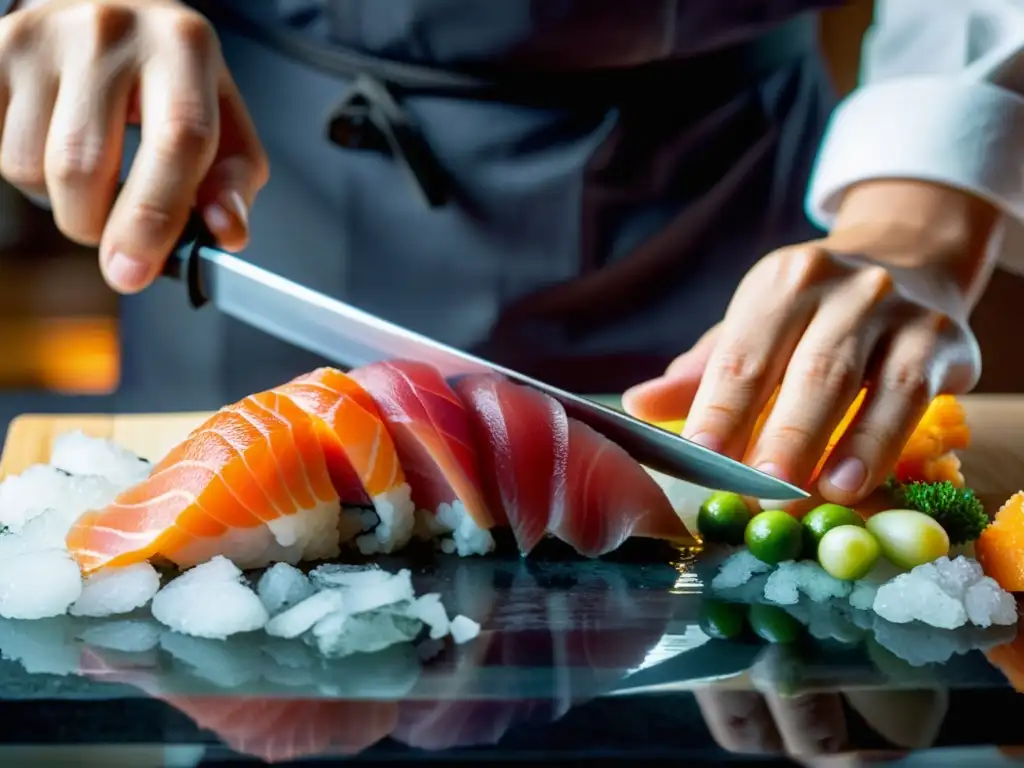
(576, 659)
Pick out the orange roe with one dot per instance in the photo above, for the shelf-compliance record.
(1000, 548)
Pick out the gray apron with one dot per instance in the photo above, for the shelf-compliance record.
(584, 222)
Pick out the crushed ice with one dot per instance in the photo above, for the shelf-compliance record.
(337, 609)
(945, 594)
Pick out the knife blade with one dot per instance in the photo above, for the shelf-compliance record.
(351, 337)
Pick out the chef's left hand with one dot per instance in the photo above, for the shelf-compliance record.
(891, 317)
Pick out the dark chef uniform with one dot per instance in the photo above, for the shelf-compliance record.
(572, 188)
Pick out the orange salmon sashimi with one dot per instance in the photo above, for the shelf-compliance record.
(254, 483)
(434, 438)
(349, 411)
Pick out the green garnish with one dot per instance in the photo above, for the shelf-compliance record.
(957, 510)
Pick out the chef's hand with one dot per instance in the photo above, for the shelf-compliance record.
(819, 328)
(811, 727)
(72, 74)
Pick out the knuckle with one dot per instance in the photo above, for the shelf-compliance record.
(830, 371)
(23, 172)
(878, 280)
(194, 33)
(798, 268)
(908, 378)
(106, 25)
(189, 131)
(77, 156)
(745, 370)
(17, 34)
(156, 221)
(791, 436)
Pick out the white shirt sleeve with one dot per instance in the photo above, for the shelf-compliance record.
(941, 99)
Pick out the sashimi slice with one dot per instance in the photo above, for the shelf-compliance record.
(609, 498)
(432, 433)
(349, 411)
(253, 483)
(523, 437)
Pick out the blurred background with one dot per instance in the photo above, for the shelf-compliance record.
(60, 333)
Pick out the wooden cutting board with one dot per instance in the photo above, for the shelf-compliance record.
(994, 464)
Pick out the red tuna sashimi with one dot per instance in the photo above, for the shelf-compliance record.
(432, 433)
(610, 498)
(523, 436)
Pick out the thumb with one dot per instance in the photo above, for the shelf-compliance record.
(670, 396)
(238, 173)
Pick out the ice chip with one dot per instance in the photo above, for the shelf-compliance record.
(281, 586)
(428, 609)
(917, 596)
(43, 647)
(862, 597)
(737, 570)
(225, 664)
(341, 635)
(396, 589)
(38, 585)
(210, 601)
(113, 591)
(79, 454)
(945, 594)
(954, 576)
(464, 629)
(44, 490)
(300, 618)
(334, 575)
(126, 636)
(786, 582)
(987, 603)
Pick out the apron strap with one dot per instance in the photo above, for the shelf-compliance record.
(370, 116)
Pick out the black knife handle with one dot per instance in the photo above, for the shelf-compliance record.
(184, 263)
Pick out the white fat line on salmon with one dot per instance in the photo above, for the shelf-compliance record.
(127, 535)
(258, 481)
(291, 431)
(165, 496)
(267, 436)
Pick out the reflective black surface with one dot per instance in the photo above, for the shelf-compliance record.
(597, 660)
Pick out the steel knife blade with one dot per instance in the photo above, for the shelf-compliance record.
(351, 337)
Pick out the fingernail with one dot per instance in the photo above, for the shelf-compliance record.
(708, 440)
(127, 273)
(237, 205)
(849, 475)
(230, 207)
(770, 469)
(217, 218)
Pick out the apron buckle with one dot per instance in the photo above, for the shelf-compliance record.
(370, 118)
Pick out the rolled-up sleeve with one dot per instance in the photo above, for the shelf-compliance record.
(941, 99)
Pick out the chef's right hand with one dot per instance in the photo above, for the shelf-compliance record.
(73, 73)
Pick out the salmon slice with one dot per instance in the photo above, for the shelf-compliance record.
(432, 433)
(350, 412)
(610, 498)
(523, 436)
(255, 483)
